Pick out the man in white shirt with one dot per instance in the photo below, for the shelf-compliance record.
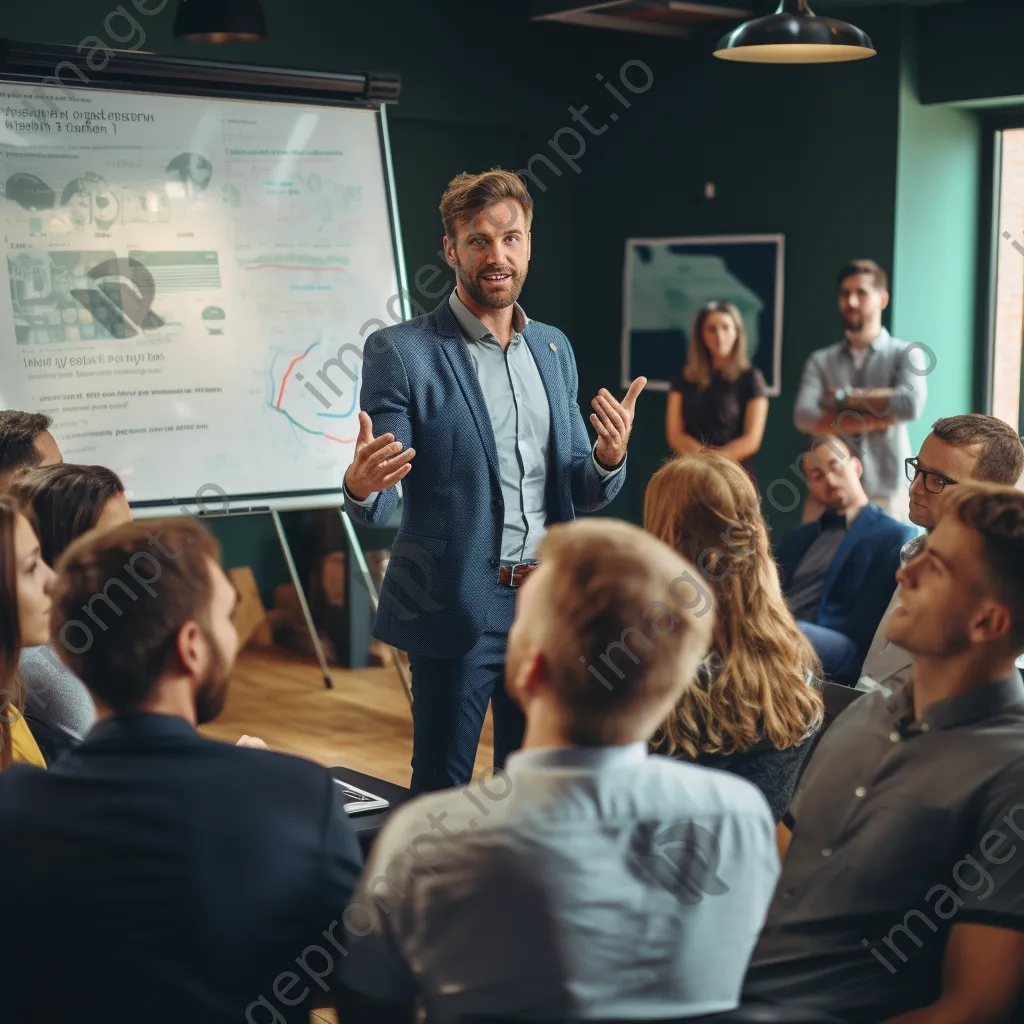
(590, 878)
(976, 448)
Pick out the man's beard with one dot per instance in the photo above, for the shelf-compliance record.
(491, 300)
(213, 690)
(854, 321)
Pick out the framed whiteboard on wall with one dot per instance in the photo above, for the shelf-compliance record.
(668, 280)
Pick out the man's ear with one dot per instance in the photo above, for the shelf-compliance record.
(858, 467)
(188, 649)
(449, 251)
(885, 298)
(990, 622)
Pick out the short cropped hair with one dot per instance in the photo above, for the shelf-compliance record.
(997, 514)
(122, 596)
(878, 275)
(627, 623)
(18, 433)
(1001, 460)
(468, 194)
(67, 501)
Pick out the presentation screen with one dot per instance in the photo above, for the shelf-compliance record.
(190, 282)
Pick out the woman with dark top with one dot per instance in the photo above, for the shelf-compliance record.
(718, 401)
(755, 709)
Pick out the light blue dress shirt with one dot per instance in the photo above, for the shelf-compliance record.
(611, 883)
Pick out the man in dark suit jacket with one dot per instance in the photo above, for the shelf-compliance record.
(839, 571)
(486, 400)
(152, 874)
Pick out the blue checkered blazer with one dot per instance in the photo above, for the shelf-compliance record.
(420, 385)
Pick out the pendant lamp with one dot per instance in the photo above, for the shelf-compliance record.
(794, 34)
(220, 21)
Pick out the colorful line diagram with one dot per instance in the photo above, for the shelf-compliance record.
(290, 397)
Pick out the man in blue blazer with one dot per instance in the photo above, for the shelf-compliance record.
(151, 872)
(488, 400)
(839, 571)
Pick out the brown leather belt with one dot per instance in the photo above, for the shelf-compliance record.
(515, 575)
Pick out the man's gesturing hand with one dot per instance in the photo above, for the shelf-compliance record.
(613, 421)
(379, 462)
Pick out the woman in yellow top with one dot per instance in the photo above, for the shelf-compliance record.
(25, 583)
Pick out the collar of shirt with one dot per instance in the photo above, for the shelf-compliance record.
(474, 330)
(845, 519)
(871, 346)
(585, 758)
(981, 702)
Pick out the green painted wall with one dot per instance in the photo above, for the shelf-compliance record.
(934, 274)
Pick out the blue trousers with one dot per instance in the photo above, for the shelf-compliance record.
(840, 656)
(449, 702)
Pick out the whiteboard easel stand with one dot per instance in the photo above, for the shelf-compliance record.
(304, 604)
(374, 595)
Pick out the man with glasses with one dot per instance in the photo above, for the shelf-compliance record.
(960, 449)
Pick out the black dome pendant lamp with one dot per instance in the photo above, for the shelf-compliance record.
(220, 21)
(794, 34)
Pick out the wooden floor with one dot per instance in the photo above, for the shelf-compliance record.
(364, 723)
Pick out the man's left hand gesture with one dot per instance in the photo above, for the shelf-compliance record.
(613, 421)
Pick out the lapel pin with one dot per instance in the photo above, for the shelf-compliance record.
(551, 345)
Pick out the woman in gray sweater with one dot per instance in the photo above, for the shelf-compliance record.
(68, 501)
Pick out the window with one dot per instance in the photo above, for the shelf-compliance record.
(1008, 312)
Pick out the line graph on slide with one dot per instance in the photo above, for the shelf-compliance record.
(311, 408)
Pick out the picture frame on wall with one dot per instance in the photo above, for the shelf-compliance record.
(666, 282)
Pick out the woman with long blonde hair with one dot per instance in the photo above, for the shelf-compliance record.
(719, 400)
(754, 709)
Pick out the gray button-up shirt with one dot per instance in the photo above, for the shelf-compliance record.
(517, 405)
(581, 883)
(901, 831)
(891, 363)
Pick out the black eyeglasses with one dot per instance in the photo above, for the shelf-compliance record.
(934, 483)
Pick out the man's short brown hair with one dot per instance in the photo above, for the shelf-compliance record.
(468, 194)
(121, 598)
(878, 275)
(1001, 460)
(18, 433)
(997, 514)
(627, 622)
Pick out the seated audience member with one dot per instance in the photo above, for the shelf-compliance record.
(67, 501)
(590, 878)
(25, 441)
(839, 572)
(960, 449)
(25, 581)
(158, 872)
(900, 891)
(751, 711)
(719, 400)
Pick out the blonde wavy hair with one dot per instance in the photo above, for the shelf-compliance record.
(698, 362)
(756, 677)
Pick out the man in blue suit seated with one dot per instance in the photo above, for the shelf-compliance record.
(151, 871)
(839, 571)
(486, 401)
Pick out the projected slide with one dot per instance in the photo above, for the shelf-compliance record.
(189, 283)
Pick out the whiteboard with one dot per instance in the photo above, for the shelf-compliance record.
(184, 272)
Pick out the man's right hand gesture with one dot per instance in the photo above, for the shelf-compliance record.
(379, 462)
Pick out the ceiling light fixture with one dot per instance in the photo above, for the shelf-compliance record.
(220, 21)
(794, 34)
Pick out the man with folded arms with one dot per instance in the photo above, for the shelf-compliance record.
(901, 897)
(591, 879)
